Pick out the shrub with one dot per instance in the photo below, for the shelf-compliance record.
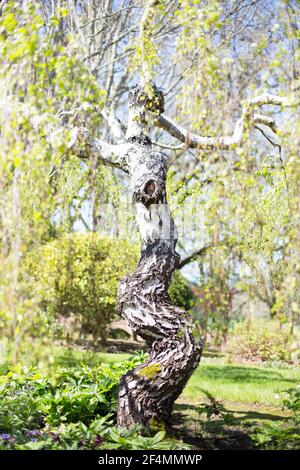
(259, 340)
(213, 306)
(180, 292)
(78, 275)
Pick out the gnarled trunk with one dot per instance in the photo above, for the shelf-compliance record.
(147, 393)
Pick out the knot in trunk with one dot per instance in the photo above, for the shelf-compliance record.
(151, 192)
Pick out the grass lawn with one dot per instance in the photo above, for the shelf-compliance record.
(240, 383)
(251, 384)
(221, 403)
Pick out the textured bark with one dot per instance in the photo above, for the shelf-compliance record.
(147, 393)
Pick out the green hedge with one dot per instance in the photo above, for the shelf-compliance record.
(78, 275)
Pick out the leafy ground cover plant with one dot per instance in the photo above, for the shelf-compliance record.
(285, 436)
(74, 408)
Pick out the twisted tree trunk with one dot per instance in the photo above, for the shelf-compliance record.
(147, 393)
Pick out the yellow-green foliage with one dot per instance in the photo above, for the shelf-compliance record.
(150, 371)
(41, 75)
(146, 56)
(79, 274)
(259, 339)
(180, 333)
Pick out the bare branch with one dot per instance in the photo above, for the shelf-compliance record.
(227, 142)
(280, 157)
(84, 222)
(169, 147)
(193, 256)
(266, 120)
(86, 147)
(268, 138)
(119, 38)
(267, 98)
(110, 15)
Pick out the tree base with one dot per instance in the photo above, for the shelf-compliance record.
(147, 393)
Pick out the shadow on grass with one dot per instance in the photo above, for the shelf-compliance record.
(71, 358)
(232, 373)
(220, 411)
(212, 425)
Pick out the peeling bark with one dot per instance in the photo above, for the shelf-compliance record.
(147, 393)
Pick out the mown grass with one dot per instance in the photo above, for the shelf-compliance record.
(69, 357)
(240, 383)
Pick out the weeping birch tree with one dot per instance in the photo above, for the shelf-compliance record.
(147, 393)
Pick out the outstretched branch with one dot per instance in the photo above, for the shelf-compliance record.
(193, 256)
(115, 125)
(86, 148)
(228, 142)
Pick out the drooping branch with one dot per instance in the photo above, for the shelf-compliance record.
(268, 138)
(228, 142)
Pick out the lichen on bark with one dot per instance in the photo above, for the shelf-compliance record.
(150, 371)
